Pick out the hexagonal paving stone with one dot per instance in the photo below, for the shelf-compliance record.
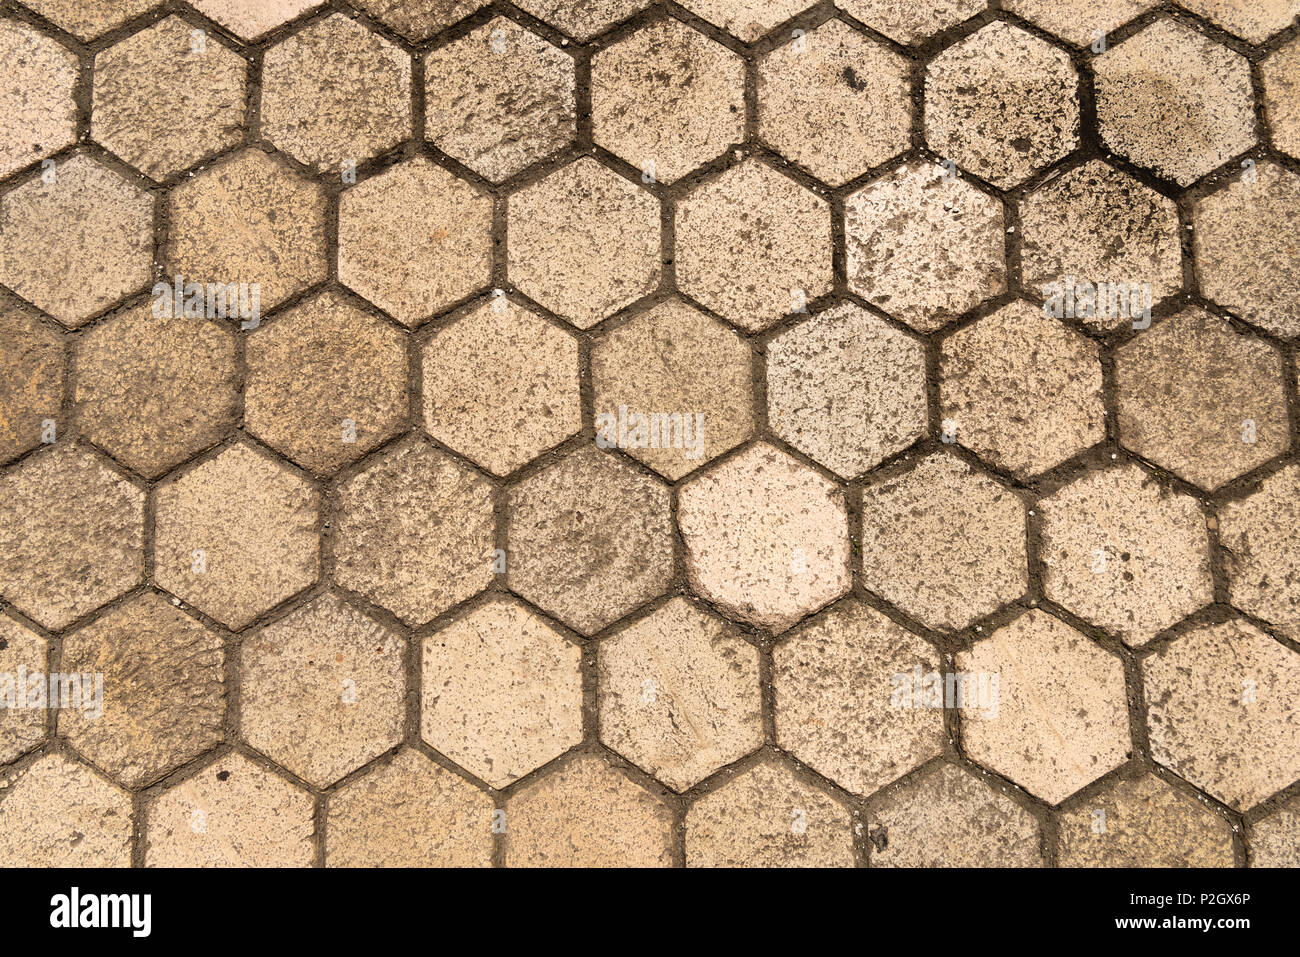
(582, 19)
(679, 694)
(415, 239)
(21, 729)
(253, 19)
(78, 244)
(1201, 399)
(835, 102)
(249, 219)
(335, 93)
(590, 539)
(1021, 390)
(1221, 711)
(584, 242)
(31, 379)
(587, 814)
(944, 542)
(233, 813)
(58, 813)
(1275, 841)
(1095, 225)
(1247, 259)
(415, 532)
(149, 79)
(916, 224)
(908, 22)
(1079, 22)
(236, 536)
(1200, 90)
(674, 361)
(418, 20)
(1255, 21)
(1060, 720)
(948, 817)
(753, 245)
(667, 99)
(1003, 104)
(499, 98)
(87, 19)
(71, 535)
(164, 691)
(323, 690)
(1144, 822)
(1281, 76)
(38, 111)
(502, 692)
(501, 386)
(1258, 538)
(746, 19)
(1125, 553)
(767, 817)
(844, 703)
(153, 390)
(409, 813)
(767, 538)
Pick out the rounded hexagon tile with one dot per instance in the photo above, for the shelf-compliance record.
(753, 245)
(236, 536)
(835, 102)
(499, 98)
(1255, 21)
(164, 695)
(1201, 399)
(38, 109)
(1257, 534)
(916, 225)
(502, 692)
(582, 19)
(590, 539)
(1021, 390)
(418, 20)
(253, 19)
(77, 239)
(87, 19)
(943, 542)
(767, 538)
(1221, 711)
(679, 694)
(1060, 717)
(1079, 22)
(1281, 78)
(1275, 841)
(908, 22)
(31, 379)
(746, 19)
(501, 386)
(58, 813)
(334, 93)
(1124, 553)
(1002, 104)
(71, 535)
(322, 691)
(844, 704)
(1200, 90)
(21, 650)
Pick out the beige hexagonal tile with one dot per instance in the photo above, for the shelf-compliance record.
(673, 361)
(586, 814)
(838, 706)
(1257, 534)
(917, 223)
(1255, 21)
(31, 379)
(323, 690)
(667, 99)
(38, 109)
(409, 813)
(1221, 711)
(87, 19)
(1275, 841)
(753, 245)
(1199, 89)
(236, 536)
(1201, 399)
(21, 729)
(79, 243)
(418, 20)
(1061, 716)
(1281, 77)
(502, 692)
(584, 242)
(908, 22)
(501, 386)
(1125, 553)
(248, 219)
(679, 694)
(499, 99)
(233, 813)
(582, 19)
(253, 19)
(767, 817)
(415, 240)
(1021, 390)
(746, 19)
(71, 535)
(590, 539)
(944, 542)
(58, 813)
(1002, 104)
(1079, 22)
(767, 538)
(835, 102)
(415, 532)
